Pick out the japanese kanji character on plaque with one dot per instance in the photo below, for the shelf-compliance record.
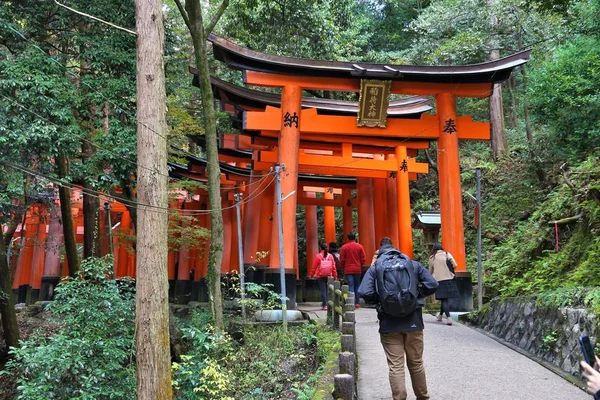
(373, 103)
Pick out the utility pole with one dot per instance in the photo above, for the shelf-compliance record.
(280, 235)
(238, 200)
(479, 268)
(153, 357)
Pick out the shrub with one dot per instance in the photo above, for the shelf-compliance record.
(92, 354)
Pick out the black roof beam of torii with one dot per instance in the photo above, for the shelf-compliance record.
(242, 58)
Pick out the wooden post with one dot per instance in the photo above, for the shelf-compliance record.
(312, 234)
(366, 226)
(228, 229)
(347, 224)
(381, 219)
(451, 211)
(329, 217)
(346, 363)
(348, 343)
(267, 219)
(343, 387)
(336, 304)
(288, 150)
(392, 207)
(252, 218)
(330, 300)
(404, 218)
(123, 256)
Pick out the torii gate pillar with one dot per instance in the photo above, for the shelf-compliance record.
(453, 237)
(288, 149)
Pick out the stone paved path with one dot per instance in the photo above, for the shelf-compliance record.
(461, 364)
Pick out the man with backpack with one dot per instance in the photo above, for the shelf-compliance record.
(398, 285)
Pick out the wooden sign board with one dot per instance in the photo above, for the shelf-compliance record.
(373, 103)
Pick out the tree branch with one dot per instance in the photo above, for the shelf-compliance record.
(216, 18)
(183, 14)
(566, 220)
(97, 19)
(430, 161)
(566, 174)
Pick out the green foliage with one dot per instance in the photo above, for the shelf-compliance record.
(549, 340)
(92, 355)
(565, 97)
(266, 363)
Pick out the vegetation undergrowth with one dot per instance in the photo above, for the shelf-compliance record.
(92, 356)
(262, 362)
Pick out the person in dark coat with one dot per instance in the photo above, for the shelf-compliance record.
(441, 273)
(402, 336)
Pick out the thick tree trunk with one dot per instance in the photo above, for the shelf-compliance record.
(199, 36)
(152, 308)
(64, 194)
(498, 141)
(7, 300)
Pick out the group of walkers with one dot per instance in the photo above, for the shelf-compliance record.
(398, 287)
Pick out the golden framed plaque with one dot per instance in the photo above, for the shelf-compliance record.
(373, 103)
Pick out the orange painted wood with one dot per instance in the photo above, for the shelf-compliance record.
(183, 267)
(312, 233)
(289, 143)
(39, 252)
(253, 197)
(306, 82)
(366, 219)
(329, 218)
(451, 212)
(347, 207)
(392, 207)
(472, 130)
(323, 202)
(360, 143)
(23, 272)
(234, 261)
(381, 209)
(205, 245)
(318, 189)
(353, 85)
(403, 196)
(122, 260)
(331, 171)
(227, 237)
(267, 207)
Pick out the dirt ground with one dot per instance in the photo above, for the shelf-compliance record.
(32, 321)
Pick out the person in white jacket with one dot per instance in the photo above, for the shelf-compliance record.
(438, 267)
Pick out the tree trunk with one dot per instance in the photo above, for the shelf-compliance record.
(64, 194)
(152, 308)
(91, 208)
(199, 37)
(498, 141)
(7, 300)
(514, 119)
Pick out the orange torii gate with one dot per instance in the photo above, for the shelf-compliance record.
(292, 122)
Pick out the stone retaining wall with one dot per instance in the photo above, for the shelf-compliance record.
(551, 334)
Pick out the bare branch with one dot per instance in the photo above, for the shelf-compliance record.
(567, 220)
(184, 14)
(430, 161)
(97, 19)
(216, 18)
(566, 174)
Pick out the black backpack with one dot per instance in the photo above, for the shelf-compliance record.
(396, 284)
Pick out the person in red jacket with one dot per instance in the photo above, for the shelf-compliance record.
(352, 258)
(323, 267)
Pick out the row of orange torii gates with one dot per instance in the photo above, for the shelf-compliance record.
(357, 154)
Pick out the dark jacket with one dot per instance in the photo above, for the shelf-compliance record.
(414, 322)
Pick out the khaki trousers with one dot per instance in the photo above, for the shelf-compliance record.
(395, 346)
